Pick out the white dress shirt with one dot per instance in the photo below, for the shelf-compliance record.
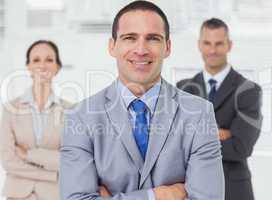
(40, 118)
(219, 77)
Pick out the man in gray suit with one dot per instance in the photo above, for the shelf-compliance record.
(141, 138)
(237, 105)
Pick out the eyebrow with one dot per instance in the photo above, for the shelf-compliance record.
(128, 34)
(38, 57)
(148, 35)
(156, 35)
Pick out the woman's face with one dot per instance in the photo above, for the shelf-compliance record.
(42, 63)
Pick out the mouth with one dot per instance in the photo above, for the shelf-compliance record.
(213, 56)
(140, 64)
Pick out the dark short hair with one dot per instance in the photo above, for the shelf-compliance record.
(144, 6)
(214, 23)
(49, 43)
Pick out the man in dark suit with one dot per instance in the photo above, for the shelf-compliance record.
(237, 105)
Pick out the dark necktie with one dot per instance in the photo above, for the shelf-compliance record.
(140, 131)
(212, 93)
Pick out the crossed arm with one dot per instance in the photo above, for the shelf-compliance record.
(19, 161)
(238, 141)
(78, 174)
(79, 178)
(47, 159)
(172, 192)
(204, 174)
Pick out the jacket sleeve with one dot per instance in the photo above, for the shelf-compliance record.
(246, 126)
(78, 175)
(11, 162)
(204, 173)
(45, 158)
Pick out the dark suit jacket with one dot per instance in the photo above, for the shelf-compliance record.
(237, 107)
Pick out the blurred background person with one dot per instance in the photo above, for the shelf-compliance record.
(237, 106)
(30, 130)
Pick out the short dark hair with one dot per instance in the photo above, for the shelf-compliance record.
(49, 43)
(144, 6)
(214, 23)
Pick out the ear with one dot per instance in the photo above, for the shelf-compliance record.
(230, 45)
(111, 48)
(168, 48)
(198, 45)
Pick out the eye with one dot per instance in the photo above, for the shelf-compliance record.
(154, 38)
(35, 60)
(129, 38)
(220, 44)
(50, 60)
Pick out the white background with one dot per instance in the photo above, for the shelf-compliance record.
(81, 29)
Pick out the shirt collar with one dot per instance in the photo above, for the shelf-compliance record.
(28, 98)
(149, 98)
(219, 77)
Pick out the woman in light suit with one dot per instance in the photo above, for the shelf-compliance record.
(30, 130)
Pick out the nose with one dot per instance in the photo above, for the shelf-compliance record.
(212, 49)
(141, 48)
(42, 66)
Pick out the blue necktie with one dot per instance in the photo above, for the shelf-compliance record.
(212, 93)
(140, 131)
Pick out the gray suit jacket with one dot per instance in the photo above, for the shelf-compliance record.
(99, 148)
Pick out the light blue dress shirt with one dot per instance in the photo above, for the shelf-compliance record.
(150, 98)
(40, 118)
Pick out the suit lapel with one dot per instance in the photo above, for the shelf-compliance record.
(227, 87)
(51, 132)
(118, 115)
(160, 127)
(24, 120)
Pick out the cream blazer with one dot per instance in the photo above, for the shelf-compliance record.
(39, 173)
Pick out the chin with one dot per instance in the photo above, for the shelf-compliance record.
(138, 81)
(213, 65)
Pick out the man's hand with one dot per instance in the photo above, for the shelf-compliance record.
(172, 192)
(224, 134)
(21, 152)
(104, 193)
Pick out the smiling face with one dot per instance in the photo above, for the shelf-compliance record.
(42, 63)
(214, 45)
(140, 48)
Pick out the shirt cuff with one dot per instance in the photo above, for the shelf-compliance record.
(151, 195)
